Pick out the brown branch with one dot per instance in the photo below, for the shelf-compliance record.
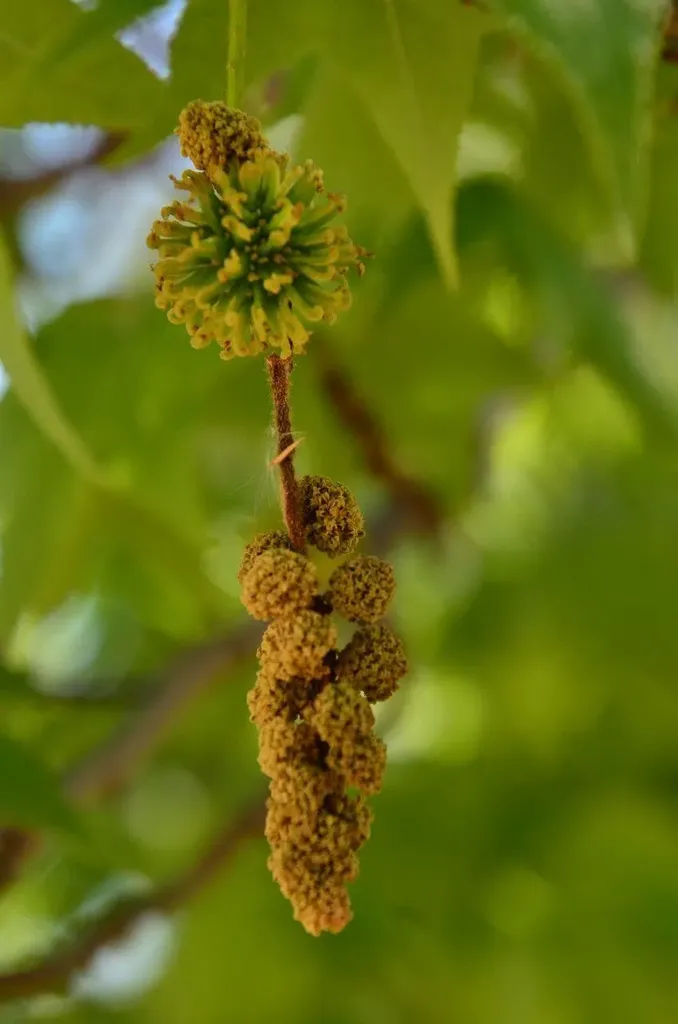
(53, 974)
(15, 193)
(279, 375)
(16, 846)
(110, 766)
(420, 507)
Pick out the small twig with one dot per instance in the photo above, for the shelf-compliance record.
(279, 373)
(53, 974)
(407, 493)
(16, 193)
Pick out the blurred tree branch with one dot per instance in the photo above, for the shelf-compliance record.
(108, 767)
(414, 504)
(15, 194)
(53, 974)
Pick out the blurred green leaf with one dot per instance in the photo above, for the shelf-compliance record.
(145, 537)
(198, 53)
(606, 53)
(555, 140)
(30, 385)
(577, 308)
(659, 252)
(413, 65)
(29, 794)
(280, 34)
(120, 91)
(430, 362)
(107, 18)
(336, 126)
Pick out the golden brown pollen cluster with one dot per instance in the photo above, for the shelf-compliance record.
(311, 702)
(212, 135)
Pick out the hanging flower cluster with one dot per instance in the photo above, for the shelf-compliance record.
(311, 702)
(254, 257)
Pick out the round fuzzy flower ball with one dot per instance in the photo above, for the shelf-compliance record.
(212, 135)
(344, 720)
(362, 588)
(363, 763)
(271, 539)
(374, 661)
(271, 698)
(279, 583)
(339, 713)
(334, 522)
(297, 646)
(283, 744)
(253, 258)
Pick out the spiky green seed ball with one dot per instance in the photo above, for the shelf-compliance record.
(254, 258)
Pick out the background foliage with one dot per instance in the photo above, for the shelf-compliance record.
(513, 166)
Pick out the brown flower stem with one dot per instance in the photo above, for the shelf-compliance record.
(279, 375)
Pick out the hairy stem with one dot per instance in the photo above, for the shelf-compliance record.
(237, 13)
(279, 375)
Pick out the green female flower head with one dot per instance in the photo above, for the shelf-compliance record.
(254, 258)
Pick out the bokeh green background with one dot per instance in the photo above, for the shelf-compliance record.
(514, 170)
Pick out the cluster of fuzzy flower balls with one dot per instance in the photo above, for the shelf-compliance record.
(311, 702)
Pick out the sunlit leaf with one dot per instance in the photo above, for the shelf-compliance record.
(120, 91)
(659, 252)
(576, 307)
(29, 384)
(413, 65)
(606, 54)
(107, 18)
